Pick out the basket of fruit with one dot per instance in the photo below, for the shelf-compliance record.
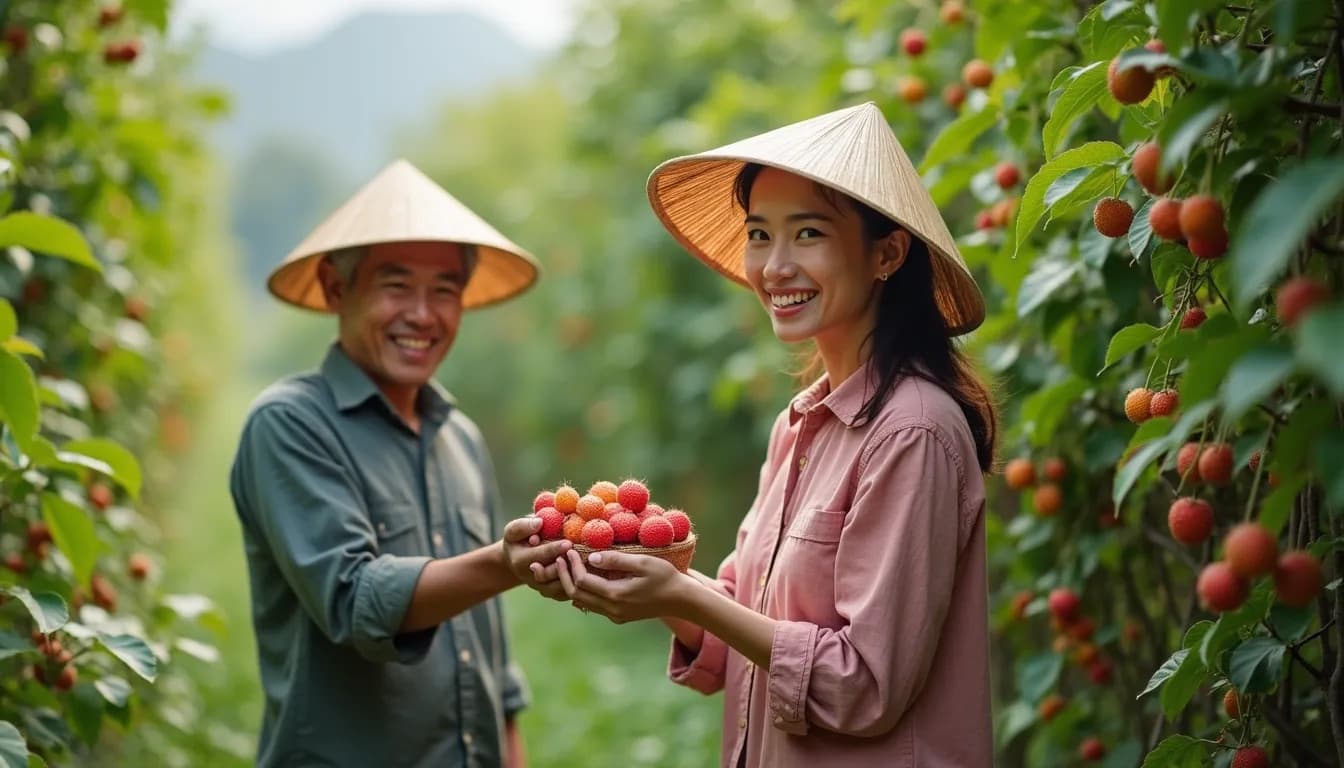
(616, 517)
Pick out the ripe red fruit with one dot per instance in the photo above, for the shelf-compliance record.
(1002, 212)
(1202, 218)
(1187, 462)
(1250, 550)
(1007, 175)
(1112, 216)
(1155, 46)
(655, 531)
(604, 490)
(613, 509)
(1130, 86)
(1165, 219)
(1231, 705)
(954, 95)
(1048, 499)
(650, 509)
(1220, 588)
(104, 594)
(952, 12)
(1064, 604)
(1251, 757)
(1138, 404)
(1055, 469)
(552, 522)
(914, 41)
(543, 500)
(566, 499)
(1253, 463)
(121, 53)
(597, 534)
(139, 565)
(66, 680)
(1164, 403)
(1092, 749)
(1019, 473)
(1190, 520)
(1146, 165)
(977, 74)
(1193, 318)
(109, 15)
(1100, 671)
(1208, 248)
(1215, 464)
(1297, 297)
(1050, 706)
(1082, 629)
(136, 308)
(591, 507)
(681, 524)
(912, 89)
(984, 220)
(573, 528)
(1297, 578)
(625, 527)
(39, 535)
(633, 496)
(14, 562)
(16, 38)
(101, 496)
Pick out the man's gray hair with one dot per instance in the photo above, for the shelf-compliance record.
(346, 259)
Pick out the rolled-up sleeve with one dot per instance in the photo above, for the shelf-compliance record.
(703, 670)
(306, 506)
(895, 568)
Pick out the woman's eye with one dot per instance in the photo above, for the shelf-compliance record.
(757, 234)
(807, 233)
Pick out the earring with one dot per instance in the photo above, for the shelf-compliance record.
(883, 277)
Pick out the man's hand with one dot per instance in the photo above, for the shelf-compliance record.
(531, 560)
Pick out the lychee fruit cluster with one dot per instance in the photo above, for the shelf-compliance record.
(609, 516)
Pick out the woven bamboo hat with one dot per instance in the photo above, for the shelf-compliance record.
(852, 150)
(401, 204)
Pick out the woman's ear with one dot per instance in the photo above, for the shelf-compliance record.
(891, 253)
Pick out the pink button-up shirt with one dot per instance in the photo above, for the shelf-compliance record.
(867, 542)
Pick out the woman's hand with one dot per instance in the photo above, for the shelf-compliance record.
(649, 587)
(531, 561)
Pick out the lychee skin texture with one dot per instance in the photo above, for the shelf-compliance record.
(655, 532)
(650, 510)
(1209, 248)
(681, 524)
(1019, 473)
(977, 74)
(1220, 588)
(633, 495)
(1092, 750)
(625, 527)
(613, 509)
(1164, 403)
(552, 522)
(1296, 298)
(1048, 499)
(1202, 218)
(1215, 464)
(566, 499)
(1187, 462)
(598, 534)
(1147, 164)
(591, 507)
(911, 89)
(1130, 86)
(604, 490)
(1112, 216)
(1190, 520)
(1007, 175)
(1138, 404)
(543, 500)
(1297, 578)
(1193, 318)
(1251, 757)
(1231, 705)
(1064, 604)
(1164, 218)
(914, 41)
(573, 527)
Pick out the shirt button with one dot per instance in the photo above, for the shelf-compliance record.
(741, 722)
(761, 581)
(438, 539)
(802, 462)
(466, 739)
(382, 529)
(465, 656)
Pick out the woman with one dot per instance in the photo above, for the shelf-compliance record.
(849, 625)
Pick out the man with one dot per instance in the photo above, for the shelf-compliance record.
(368, 501)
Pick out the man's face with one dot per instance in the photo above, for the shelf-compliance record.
(400, 312)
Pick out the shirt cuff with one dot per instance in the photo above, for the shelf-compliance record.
(791, 654)
(516, 694)
(702, 671)
(381, 601)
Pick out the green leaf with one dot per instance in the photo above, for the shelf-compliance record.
(1128, 474)
(1318, 346)
(1033, 199)
(1141, 240)
(1276, 224)
(1013, 720)
(1176, 752)
(13, 749)
(134, 652)
(1079, 96)
(1257, 665)
(1329, 455)
(1175, 18)
(1047, 276)
(1211, 364)
(1290, 623)
(49, 235)
(13, 645)
(1253, 377)
(18, 399)
(152, 11)
(1188, 676)
(47, 608)
(1227, 630)
(1126, 754)
(1127, 340)
(1186, 124)
(73, 530)
(1164, 672)
(1045, 408)
(958, 137)
(114, 689)
(86, 712)
(1037, 674)
(1098, 183)
(9, 322)
(125, 468)
(1308, 421)
(21, 346)
(1167, 262)
(1277, 505)
(1066, 184)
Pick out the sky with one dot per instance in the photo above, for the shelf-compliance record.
(257, 26)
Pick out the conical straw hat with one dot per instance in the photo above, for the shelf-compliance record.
(852, 150)
(401, 204)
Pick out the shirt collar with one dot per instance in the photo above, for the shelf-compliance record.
(352, 387)
(844, 401)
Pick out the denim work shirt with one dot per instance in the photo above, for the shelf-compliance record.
(341, 506)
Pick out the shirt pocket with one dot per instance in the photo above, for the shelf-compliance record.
(476, 523)
(396, 524)
(822, 526)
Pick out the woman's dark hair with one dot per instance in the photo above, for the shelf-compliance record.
(910, 330)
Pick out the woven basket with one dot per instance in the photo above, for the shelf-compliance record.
(678, 554)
